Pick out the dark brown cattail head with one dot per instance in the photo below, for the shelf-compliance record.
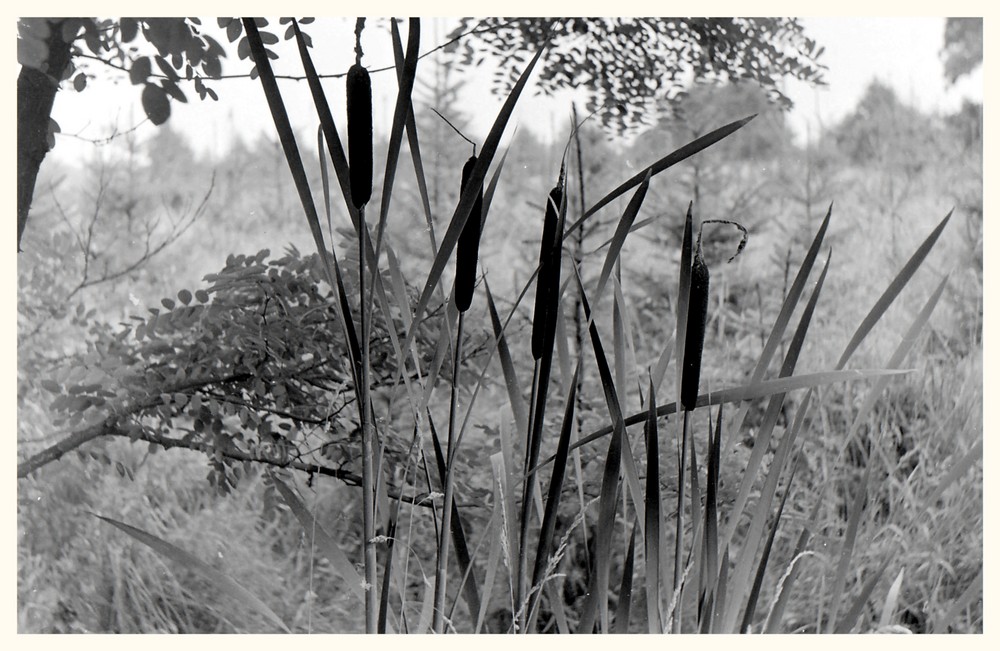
(695, 338)
(359, 134)
(467, 256)
(543, 323)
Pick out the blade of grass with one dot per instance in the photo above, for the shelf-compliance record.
(624, 608)
(784, 589)
(851, 618)
(974, 455)
(891, 601)
(970, 595)
(225, 584)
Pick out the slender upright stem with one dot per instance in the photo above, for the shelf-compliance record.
(679, 539)
(367, 447)
(528, 493)
(441, 579)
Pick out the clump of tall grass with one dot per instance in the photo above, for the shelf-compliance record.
(711, 570)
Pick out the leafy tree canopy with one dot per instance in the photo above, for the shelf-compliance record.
(639, 65)
(963, 47)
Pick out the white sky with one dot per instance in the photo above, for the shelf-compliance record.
(903, 52)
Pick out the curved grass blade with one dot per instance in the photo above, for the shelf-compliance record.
(662, 164)
(745, 392)
(223, 582)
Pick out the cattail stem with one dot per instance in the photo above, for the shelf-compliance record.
(678, 590)
(367, 448)
(441, 578)
(527, 495)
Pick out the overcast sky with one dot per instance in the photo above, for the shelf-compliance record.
(903, 52)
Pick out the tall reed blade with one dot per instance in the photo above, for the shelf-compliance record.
(547, 532)
(624, 609)
(597, 599)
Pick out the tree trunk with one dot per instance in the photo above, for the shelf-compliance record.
(36, 92)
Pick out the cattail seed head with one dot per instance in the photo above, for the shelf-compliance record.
(467, 256)
(695, 338)
(547, 287)
(359, 134)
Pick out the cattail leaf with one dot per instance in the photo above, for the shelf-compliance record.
(337, 154)
(469, 198)
(467, 257)
(857, 507)
(514, 393)
(495, 535)
(761, 446)
(751, 603)
(547, 532)
(287, 138)
(224, 583)
(662, 164)
(414, 144)
(402, 112)
(458, 537)
(316, 535)
(898, 356)
(747, 392)
(891, 292)
(618, 239)
(597, 599)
